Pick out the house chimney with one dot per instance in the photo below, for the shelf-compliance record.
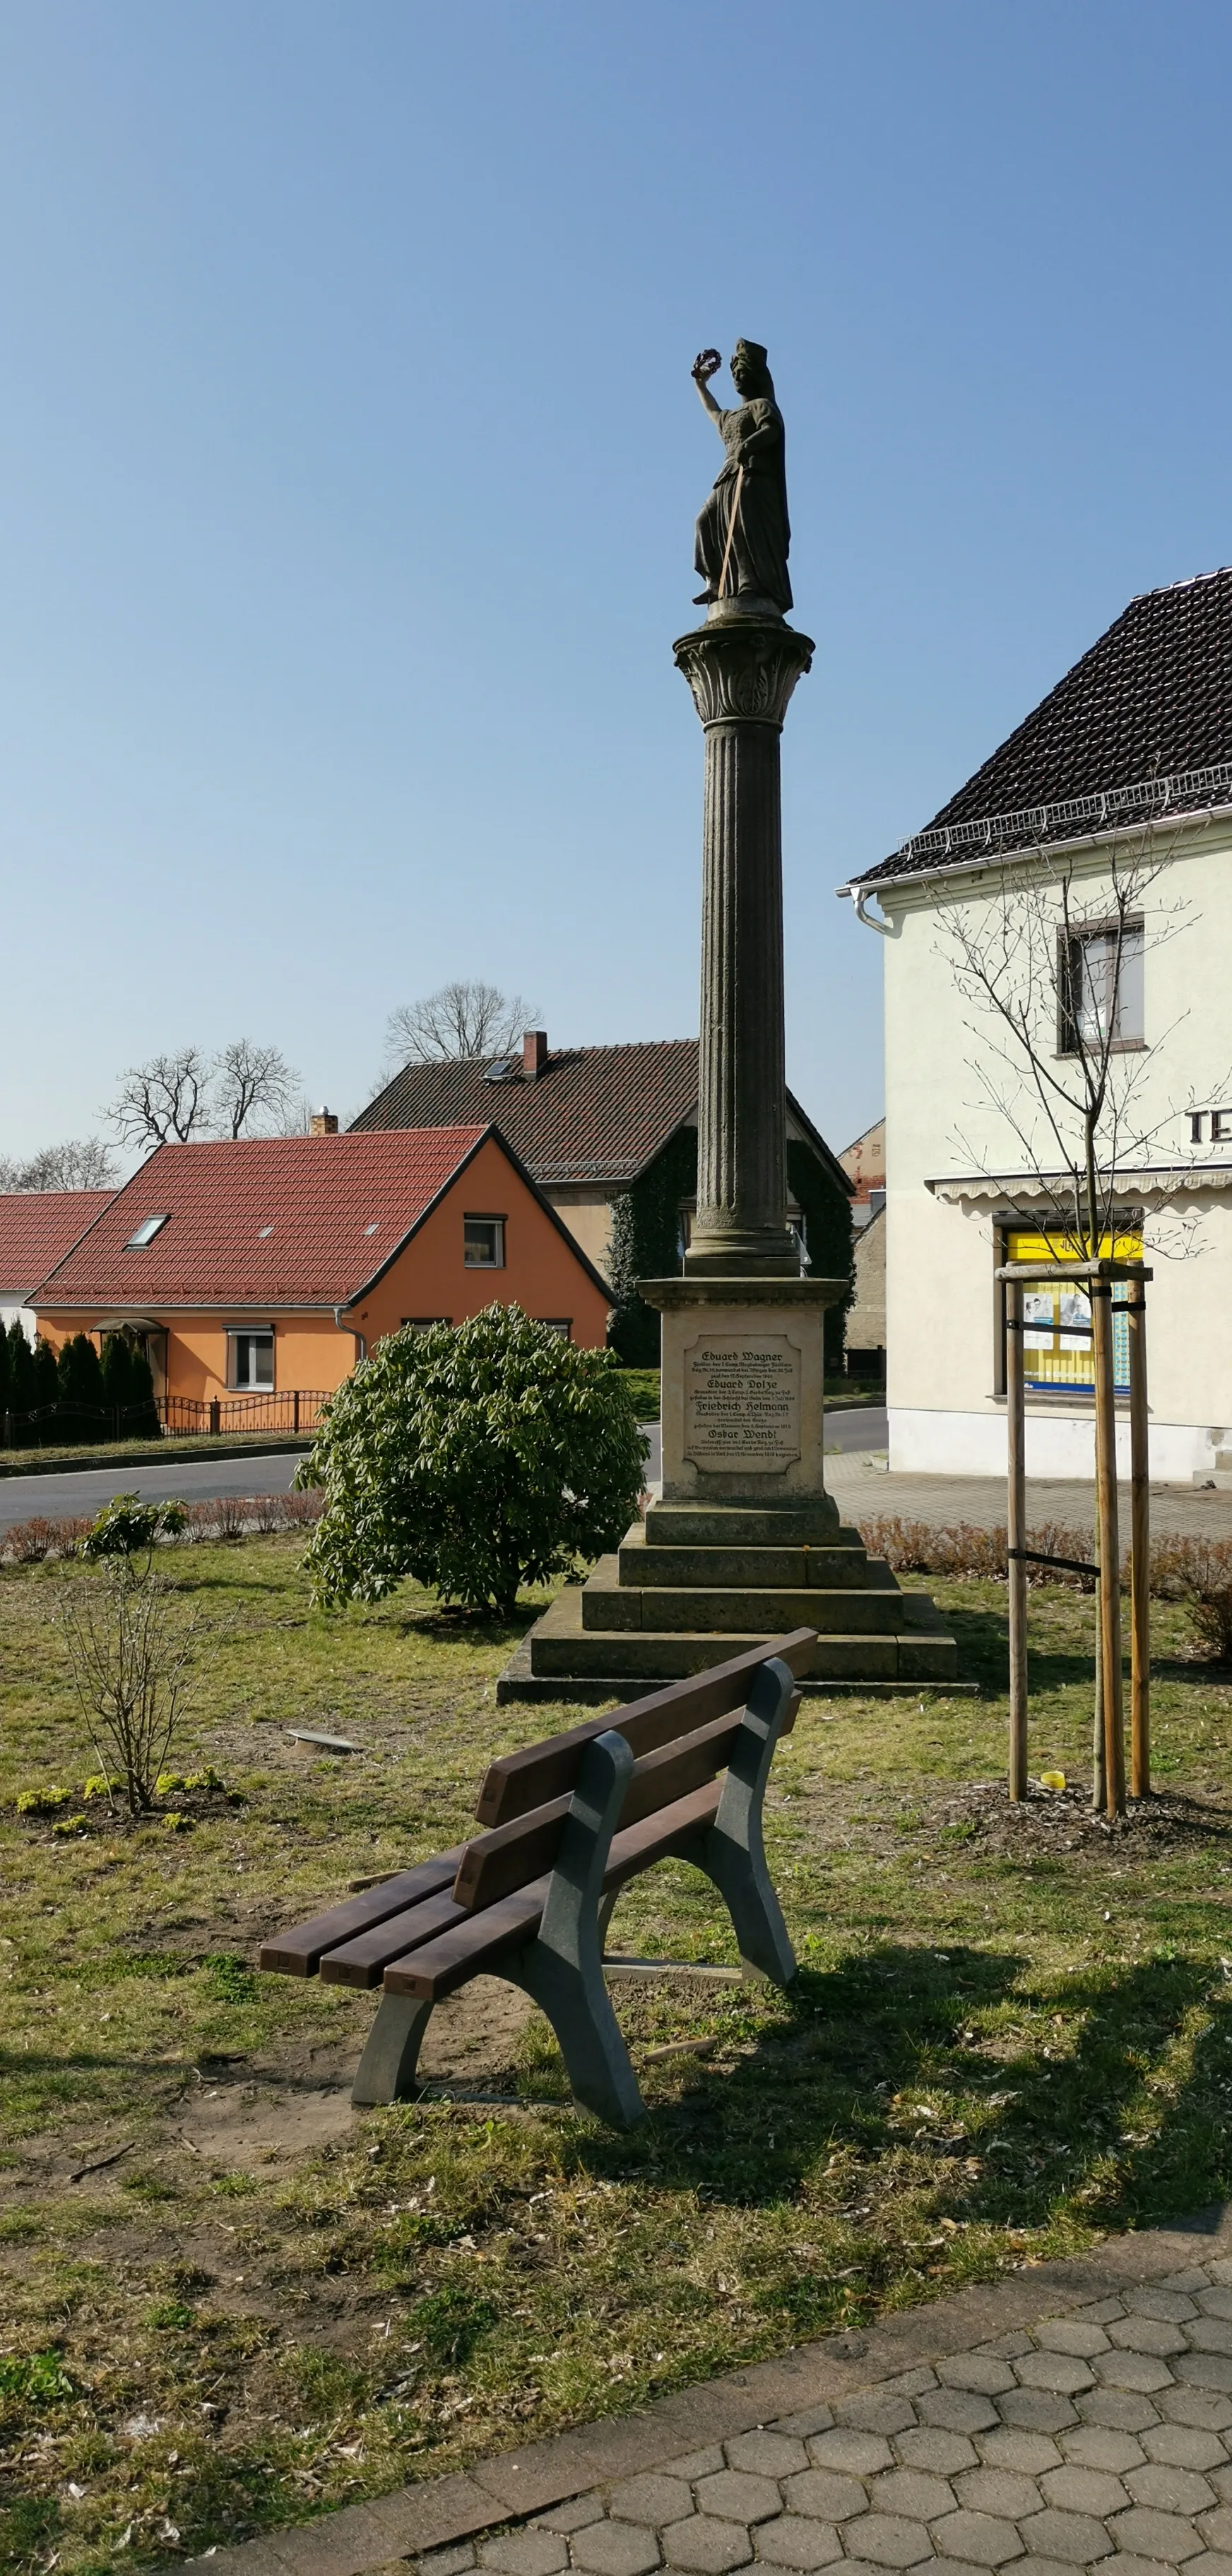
(534, 1053)
(323, 1122)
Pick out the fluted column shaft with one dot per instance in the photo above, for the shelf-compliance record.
(741, 1108)
(742, 675)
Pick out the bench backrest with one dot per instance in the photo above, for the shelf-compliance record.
(681, 1738)
(517, 1782)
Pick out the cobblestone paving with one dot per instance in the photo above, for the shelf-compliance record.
(1102, 2439)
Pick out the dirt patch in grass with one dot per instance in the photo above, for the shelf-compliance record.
(1051, 1824)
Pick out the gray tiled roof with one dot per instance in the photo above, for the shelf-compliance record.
(1140, 727)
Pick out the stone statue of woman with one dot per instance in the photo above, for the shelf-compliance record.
(743, 534)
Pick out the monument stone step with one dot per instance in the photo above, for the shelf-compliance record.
(607, 1602)
(791, 1568)
(810, 1521)
(628, 1661)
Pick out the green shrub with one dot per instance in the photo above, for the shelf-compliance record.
(79, 1390)
(23, 1385)
(41, 1802)
(126, 1525)
(475, 1459)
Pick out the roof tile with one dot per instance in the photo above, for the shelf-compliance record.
(282, 1220)
(38, 1227)
(1152, 699)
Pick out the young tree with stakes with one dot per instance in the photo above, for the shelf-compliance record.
(1046, 963)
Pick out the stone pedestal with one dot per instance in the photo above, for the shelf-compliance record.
(743, 1390)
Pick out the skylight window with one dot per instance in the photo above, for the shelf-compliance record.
(263, 1233)
(503, 1069)
(372, 1229)
(145, 1233)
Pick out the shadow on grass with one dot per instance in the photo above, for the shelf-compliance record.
(1031, 2135)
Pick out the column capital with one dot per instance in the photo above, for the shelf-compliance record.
(743, 670)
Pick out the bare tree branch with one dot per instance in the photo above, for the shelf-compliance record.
(80, 1163)
(163, 1101)
(461, 1020)
(249, 1083)
(1042, 968)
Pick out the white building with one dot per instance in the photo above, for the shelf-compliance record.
(1122, 776)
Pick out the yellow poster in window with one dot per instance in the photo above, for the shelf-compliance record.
(1056, 1316)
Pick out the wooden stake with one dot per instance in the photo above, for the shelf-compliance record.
(1109, 1547)
(1016, 1518)
(1140, 1578)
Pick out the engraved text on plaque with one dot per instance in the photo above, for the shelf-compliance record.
(742, 1402)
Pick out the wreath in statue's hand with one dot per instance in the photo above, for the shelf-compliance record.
(706, 365)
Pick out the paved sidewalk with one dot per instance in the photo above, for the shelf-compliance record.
(1072, 2415)
(862, 1485)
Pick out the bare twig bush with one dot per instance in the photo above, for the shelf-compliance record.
(1199, 1571)
(135, 1658)
(28, 1542)
(967, 1553)
(233, 1516)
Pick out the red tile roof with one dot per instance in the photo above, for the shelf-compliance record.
(592, 1114)
(38, 1227)
(268, 1221)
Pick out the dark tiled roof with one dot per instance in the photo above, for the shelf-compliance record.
(288, 1220)
(592, 1114)
(596, 1114)
(1151, 702)
(38, 1227)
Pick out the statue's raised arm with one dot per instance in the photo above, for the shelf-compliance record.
(743, 535)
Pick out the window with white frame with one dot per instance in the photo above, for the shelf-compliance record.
(561, 1324)
(483, 1242)
(1100, 987)
(251, 1356)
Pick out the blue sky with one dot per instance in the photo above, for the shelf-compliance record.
(348, 464)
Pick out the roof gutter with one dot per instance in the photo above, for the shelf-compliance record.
(990, 861)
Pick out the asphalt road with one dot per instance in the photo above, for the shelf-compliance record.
(195, 1479)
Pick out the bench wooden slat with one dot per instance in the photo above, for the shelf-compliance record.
(496, 1864)
(441, 1965)
(517, 1782)
(298, 1953)
(360, 1962)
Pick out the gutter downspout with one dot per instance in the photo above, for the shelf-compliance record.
(858, 895)
(361, 1346)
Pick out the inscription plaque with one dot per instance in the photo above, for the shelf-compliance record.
(742, 1402)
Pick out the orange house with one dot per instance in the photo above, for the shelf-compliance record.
(258, 1272)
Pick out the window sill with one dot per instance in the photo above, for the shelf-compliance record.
(1119, 1046)
(1081, 1397)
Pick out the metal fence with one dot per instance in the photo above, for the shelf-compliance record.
(163, 1417)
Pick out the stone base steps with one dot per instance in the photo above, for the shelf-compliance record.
(564, 1659)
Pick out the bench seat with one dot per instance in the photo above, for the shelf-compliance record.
(680, 1774)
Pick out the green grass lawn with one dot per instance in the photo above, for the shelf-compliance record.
(228, 2302)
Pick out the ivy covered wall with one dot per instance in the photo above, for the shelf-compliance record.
(646, 1241)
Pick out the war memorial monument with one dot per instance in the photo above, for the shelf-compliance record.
(744, 1542)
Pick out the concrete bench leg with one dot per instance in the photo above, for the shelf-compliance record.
(732, 1853)
(386, 2071)
(562, 1971)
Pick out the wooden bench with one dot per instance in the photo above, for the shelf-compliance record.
(680, 1774)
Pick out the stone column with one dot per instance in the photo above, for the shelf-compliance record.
(742, 669)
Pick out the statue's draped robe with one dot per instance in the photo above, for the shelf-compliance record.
(760, 537)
